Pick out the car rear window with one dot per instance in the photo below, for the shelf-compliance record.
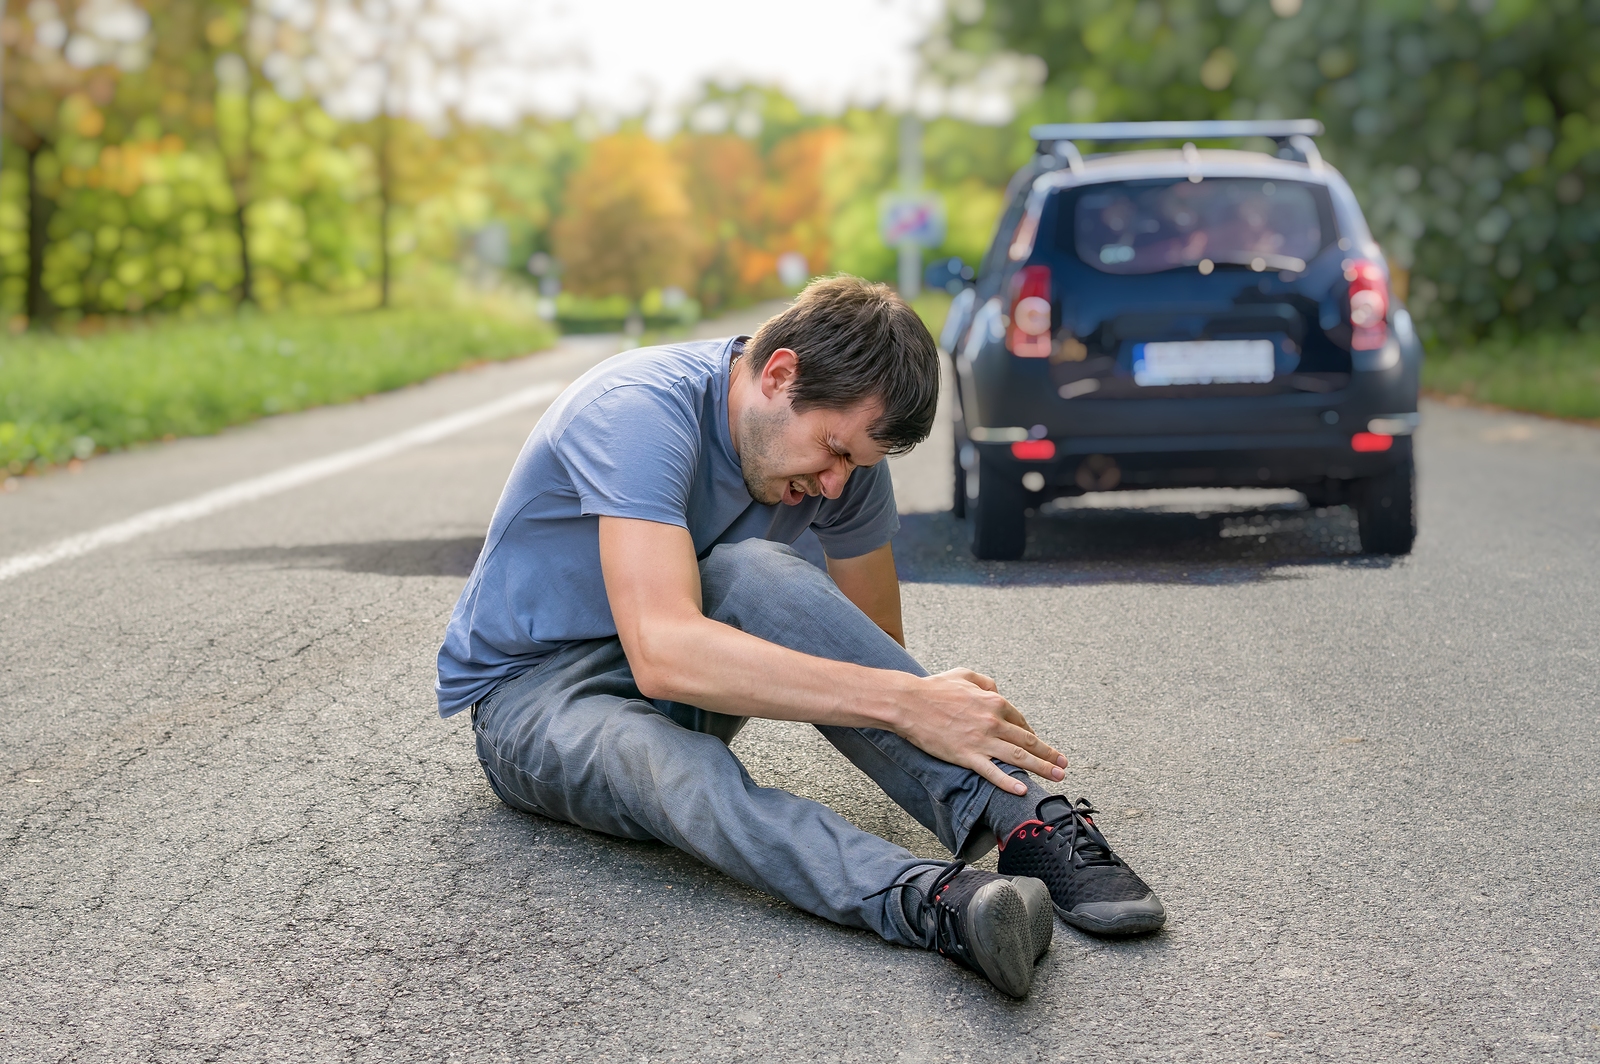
(1148, 226)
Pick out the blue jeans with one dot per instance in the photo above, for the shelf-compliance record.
(574, 740)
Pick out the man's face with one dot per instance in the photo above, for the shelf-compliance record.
(786, 456)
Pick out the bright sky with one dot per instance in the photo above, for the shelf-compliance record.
(643, 54)
(610, 57)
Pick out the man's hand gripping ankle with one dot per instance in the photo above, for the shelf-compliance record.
(960, 717)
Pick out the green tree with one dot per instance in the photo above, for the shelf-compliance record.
(59, 73)
(383, 63)
(231, 55)
(861, 171)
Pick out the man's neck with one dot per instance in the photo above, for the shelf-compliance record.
(738, 398)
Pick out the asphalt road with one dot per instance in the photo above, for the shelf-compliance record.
(232, 827)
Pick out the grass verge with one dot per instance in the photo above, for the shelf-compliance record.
(69, 397)
(1556, 374)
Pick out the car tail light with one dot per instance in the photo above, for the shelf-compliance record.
(1029, 336)
(1369, 305)
(1370, 441)
(1033, 450)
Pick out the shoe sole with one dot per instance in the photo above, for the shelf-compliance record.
(1000, 933)
(1041, 912)
(1133, 923)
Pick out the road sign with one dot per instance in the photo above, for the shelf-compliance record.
(911, 217)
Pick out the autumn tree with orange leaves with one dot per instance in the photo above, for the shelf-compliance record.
(724, 178)
(798, 207)
(749, 210)
(626, 227)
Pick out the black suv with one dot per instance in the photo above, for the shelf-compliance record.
(1182, 318)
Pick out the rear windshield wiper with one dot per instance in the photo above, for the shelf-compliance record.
(1258, 261)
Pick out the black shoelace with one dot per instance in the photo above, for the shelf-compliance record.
(1075, 831)
(945, 917)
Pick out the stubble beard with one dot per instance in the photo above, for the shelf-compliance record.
(759, 436)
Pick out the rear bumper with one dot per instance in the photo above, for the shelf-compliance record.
(1107, 463)
(1011, 395)
(1290, 439)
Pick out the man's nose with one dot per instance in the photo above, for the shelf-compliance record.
(832, 481)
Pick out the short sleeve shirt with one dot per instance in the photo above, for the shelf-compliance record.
(642, 435)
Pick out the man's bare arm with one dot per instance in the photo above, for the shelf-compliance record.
(677, 653)
(872, 584)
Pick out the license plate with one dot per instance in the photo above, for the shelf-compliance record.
(1203, 362)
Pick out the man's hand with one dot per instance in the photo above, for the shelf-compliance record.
(962, 718)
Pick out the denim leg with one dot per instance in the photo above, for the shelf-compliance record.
(574, 740)
(769, 590)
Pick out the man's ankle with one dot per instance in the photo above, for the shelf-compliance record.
(914, 903)
(1006, 810)
(979, 842)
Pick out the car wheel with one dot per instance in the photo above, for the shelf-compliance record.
(1386, 510)
(999, 524)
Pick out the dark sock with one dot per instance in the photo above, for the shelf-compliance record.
(1006, 810)
(914, 903)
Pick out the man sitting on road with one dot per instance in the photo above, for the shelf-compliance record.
(637, 599)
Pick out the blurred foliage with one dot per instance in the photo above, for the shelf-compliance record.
(148, 223)
(63, 397)
(151, 167)
(1549, 373)
(1470, 129)
(166, 174)
(966, 164)
(141, 181)
(750, 209)
(159, 184)
(626, 223)
(932, 306)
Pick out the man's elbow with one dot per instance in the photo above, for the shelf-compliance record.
(653, 683)
(657, 668)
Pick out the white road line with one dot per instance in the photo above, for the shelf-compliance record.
(273, 483)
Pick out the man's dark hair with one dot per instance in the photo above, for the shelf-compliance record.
(856, 340)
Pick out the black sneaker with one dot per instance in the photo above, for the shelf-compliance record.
(1041, 911)
(982, 921)
(1091, 887)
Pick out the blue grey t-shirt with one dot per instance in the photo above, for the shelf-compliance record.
(642, 435)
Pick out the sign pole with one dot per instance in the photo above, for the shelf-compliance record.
(910, 183)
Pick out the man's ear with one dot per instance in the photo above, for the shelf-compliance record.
(780, 373)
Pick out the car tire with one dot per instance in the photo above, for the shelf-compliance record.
(1386, 510)
(999, 520)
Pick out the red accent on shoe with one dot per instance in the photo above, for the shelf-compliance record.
(1023, 829)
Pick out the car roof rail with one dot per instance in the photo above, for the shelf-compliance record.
(1294, 134)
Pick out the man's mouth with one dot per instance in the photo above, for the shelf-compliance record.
(793, 492)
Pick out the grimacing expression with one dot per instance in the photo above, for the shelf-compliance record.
(787, 456)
